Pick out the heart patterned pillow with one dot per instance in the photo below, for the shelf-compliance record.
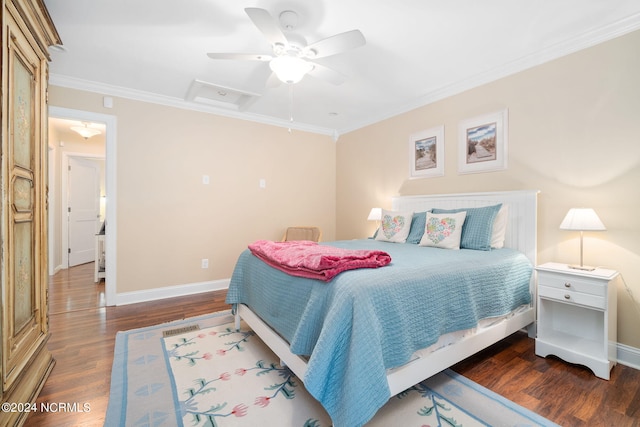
(440, 229)
(395, 226)
(443, 230)
(392, 225)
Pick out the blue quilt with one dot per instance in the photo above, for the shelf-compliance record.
(365, 321)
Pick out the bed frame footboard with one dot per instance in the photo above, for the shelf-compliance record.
(405, 376)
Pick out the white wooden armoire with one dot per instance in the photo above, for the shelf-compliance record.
(27, 32)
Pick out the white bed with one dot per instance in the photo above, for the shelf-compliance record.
(520, 235)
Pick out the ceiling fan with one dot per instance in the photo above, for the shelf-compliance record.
(292, 58)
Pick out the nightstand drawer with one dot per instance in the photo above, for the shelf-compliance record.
(572, 284)
(568, 296)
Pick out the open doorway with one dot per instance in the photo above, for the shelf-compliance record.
(82, 173)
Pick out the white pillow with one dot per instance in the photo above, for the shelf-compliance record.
(499, 228)
(394, 226)
(443, 230)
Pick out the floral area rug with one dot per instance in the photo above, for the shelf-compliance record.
(202, 372)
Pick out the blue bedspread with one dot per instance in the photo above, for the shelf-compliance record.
(365, 321)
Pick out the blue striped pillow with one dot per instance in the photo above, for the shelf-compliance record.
(418, 223)
(477, 227)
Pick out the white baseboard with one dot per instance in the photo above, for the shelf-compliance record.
(170, 292)
(54, 270)
(628, 356)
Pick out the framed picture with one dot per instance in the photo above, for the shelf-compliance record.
(426, 153)
(483, 143)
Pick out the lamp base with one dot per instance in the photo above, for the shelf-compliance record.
(582, 267)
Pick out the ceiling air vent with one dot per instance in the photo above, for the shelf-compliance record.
(220, 96)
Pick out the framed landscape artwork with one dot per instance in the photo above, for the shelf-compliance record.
(482, 143)
(426, 153)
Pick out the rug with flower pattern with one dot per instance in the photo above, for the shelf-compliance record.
(216, 376)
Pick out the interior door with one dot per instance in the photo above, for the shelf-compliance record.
(83, 209)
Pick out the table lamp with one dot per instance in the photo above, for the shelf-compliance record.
(582, 219)
(375, 214)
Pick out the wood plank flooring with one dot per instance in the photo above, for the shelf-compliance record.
(82, 341)
(83, 333)
(569, 395)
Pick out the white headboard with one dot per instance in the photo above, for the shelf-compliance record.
(523, 206)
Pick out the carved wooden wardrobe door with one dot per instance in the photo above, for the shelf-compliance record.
(24, 260)
(26, 361)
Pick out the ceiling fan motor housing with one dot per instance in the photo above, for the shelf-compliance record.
(288, 20)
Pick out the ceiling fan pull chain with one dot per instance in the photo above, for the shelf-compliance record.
(290, 105)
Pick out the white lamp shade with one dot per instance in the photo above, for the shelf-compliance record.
(582, 219)
(290, 69)
(375, 214)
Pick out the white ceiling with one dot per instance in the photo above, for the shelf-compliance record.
(417, 51)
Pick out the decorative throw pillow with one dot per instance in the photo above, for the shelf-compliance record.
(443, 230)
(500, 228)
(417, 227)
(478, 226)
(394, 226)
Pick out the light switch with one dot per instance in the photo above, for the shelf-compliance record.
(263, 183)
(205, 179)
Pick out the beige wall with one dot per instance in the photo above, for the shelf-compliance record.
(168, 220)
(574, 126)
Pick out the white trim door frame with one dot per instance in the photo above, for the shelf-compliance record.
(52, 207)
(110, 190)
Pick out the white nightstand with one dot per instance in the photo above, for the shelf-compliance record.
(577, 316)
(99, 264)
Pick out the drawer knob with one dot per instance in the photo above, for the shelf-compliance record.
(567, 285)
(567, 296)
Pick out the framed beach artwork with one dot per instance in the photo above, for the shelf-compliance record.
(426, 153)
(482, 143)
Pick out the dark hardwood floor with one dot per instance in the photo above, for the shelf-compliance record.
(82, 341)
(83, 333)
(569, 395)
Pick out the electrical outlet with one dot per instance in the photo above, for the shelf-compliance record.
(205, 263)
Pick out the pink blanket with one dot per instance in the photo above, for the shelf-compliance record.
(311, 260)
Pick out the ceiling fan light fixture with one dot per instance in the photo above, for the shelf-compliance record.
(85, 131)
(290, 69)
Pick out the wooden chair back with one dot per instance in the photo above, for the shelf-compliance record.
(302, 233)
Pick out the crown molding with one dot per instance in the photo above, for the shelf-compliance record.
(556, 51)
(153, 98)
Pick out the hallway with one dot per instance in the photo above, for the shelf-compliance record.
(73, 289)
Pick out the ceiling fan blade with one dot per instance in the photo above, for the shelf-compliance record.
(336, 44)
(267, 25)
(327, 74)
(241, 56)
